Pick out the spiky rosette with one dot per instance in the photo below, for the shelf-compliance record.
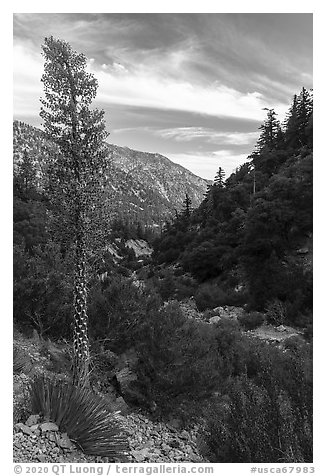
(84, 416)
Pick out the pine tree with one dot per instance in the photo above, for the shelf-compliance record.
(220, 178)
(25, 175)
(304, 114)
(271, 132)
(187, 206)
(78, 171)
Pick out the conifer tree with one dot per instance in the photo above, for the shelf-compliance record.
(25, 175)
(78, 171)
(304, 114)
(187, 206)
(271, 132)
(219, 178)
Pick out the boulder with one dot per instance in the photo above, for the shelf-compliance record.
(24, 429)
(303, 251)
(48, 426)
(32, 420)
(65, 442)
(214, 319)
(229, 312)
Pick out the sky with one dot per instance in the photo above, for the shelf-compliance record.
(190, 86)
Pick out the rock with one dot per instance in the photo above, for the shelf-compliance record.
(25, 429)
(174, 424)
(65, 442)
(34, 428)
(184, 435)
(42, 458)
(281, 328)
(48, 426)
(229, 312)
(303, 251)
(166, 448)
(120, 405)
(52, 437)
(141, 455)
(175, 443)
(214, 319)
(32, 420)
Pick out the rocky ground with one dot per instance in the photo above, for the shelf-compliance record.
(149, 439)
(37, 441)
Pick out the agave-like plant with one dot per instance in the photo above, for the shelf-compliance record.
(83, 415)
(21, 361)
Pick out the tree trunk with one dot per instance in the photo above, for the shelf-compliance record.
(80, 332)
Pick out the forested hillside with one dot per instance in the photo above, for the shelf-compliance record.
(253, 230)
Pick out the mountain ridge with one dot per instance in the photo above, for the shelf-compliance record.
(146, 186)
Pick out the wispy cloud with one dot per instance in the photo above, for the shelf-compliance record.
(187, 134)
(191, 86)
(142, 88)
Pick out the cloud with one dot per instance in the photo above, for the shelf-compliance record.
(150, 89)
(142, 88)
(206, 165)
(28, 69)
(187, 134)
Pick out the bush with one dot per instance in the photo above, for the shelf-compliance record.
(254, 426)
(42, 290)
(251, 320)
(266, 415)
(209, 295)
(178, 359)
(80, 413)
(276, 312)
(117, 309)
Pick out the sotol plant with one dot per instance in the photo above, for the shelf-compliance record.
(83, 415)
(78, 171)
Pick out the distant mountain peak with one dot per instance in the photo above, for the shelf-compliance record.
(147, 186)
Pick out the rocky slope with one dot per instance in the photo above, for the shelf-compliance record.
(150, 440)
(147, 187)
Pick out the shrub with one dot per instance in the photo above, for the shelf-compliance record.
(308, 332)
(212, 294)
(84, 416)
(177, 358)
(266, 414)
(255, 425)
(42, 290)
(209, 295)
(116, 310)
(251, 320)
(276, 312)
(294, 343)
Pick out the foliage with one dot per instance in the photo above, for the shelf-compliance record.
(266, 417)
(83, 415)
(182, 360)
(211, 294)
(78, 173)
(21, 361)
(276, 312)
(256, 219)
(251, 320)
(117, 309)
(43, 290)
